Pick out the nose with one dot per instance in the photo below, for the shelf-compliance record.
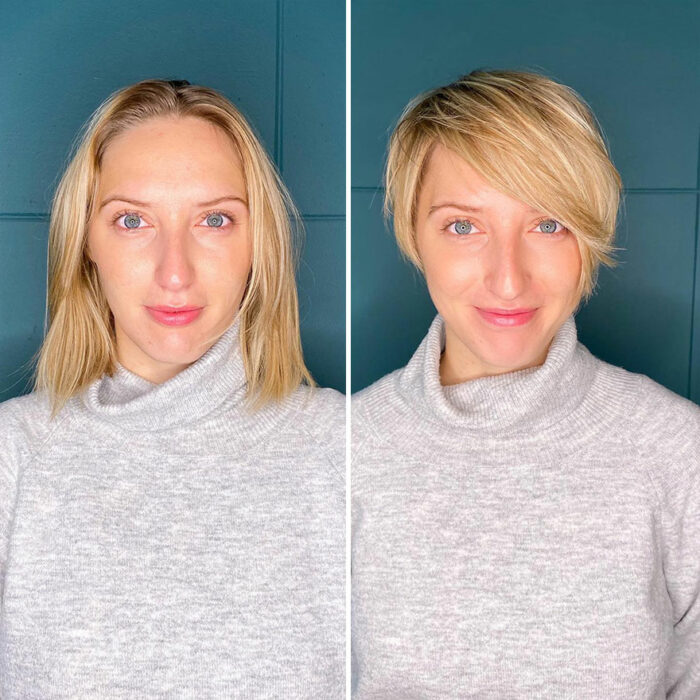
(506, 268)
(175, 269)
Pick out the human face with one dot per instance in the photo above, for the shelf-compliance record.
(168, 176)
(481, 249)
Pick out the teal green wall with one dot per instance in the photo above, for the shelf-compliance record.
(638, 65)
(282, 62)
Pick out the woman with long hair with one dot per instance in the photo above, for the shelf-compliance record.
(171, 492)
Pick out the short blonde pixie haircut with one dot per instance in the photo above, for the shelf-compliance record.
(529, 137)
(80, 344)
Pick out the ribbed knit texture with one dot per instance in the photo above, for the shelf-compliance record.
(534, 534)
(163, 541)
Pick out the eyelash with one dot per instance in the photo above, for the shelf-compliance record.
(230, 216)
(539, 221)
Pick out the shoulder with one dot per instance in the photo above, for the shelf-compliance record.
(655, 413)
(384, 387)
(25, 421)
(666, 420)
(647, 412)
(319, 413)
(664, 431)
(320, 402)
(25, 427)
(668, 401)
(376, 408)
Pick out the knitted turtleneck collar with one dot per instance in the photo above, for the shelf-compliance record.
(216, 378)
(524, 401)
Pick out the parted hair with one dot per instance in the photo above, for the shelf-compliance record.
(529, 137)
(80, 343)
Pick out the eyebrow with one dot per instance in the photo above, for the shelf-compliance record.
(119, 198)
(467, 207)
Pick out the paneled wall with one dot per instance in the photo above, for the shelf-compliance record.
(638, 66)
(282, 62)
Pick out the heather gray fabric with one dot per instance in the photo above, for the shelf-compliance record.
(160, 541)
(530, 535)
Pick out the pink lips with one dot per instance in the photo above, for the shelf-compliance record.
(506, 318)
(174, 316)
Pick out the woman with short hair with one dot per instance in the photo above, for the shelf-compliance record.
(526, 516)
(171, 492)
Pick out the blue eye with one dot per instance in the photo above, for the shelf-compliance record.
(549, 226)
(215, 219)
(461, 227)
(131, 220)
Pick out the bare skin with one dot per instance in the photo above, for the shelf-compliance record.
(502, 256)
(178, 252)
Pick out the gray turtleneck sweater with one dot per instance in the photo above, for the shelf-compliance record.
(161, 541)
(534, 534)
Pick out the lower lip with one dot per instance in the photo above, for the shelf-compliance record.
(507, 321)
(179, 318)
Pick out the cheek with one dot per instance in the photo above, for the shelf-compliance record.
(228, 269)
(224, 274)
(449, 274)
(126, 272)
(561, 268)
(120, 268)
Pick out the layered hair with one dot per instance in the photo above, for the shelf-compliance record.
(80, 344)
(529, 137)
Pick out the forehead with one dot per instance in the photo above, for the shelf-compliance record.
(448, 178)
(446, 171)
(177, 152)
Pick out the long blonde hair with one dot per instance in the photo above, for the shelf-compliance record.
(80, 345)
(529, 137)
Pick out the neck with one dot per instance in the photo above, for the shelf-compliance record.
(139, 403)
(459, 365)
(155, 374)
(525, 401)
(132, 358)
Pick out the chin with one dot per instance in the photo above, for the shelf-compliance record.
(505, 351)
(180, 360)
(174, 344)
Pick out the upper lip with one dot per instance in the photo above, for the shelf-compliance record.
(174, 309)
(507, 312)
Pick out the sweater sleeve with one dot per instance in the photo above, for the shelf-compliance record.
(10, 459)
(680, 518)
